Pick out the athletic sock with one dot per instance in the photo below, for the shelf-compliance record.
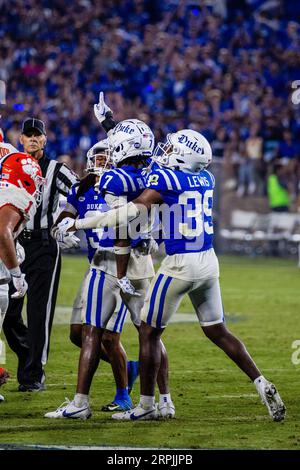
(81, 400)
(164, 398)
(122, 394)
(147, 401)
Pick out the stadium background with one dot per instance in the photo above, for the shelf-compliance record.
(224, 68)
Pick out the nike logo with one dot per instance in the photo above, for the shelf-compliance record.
(134, 417)
(74, 412)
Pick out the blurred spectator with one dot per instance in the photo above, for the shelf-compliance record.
(279, 199)
(223, 68)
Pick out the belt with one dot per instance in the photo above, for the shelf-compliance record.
(38, 234)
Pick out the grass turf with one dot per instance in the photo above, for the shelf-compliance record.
(216, 405)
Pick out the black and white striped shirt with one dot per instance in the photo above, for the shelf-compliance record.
(59, 179)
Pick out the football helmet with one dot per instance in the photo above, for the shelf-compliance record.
(185, 150)
(130, 138)
(100, 149)
(23, 171)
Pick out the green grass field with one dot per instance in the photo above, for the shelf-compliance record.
(217, 406)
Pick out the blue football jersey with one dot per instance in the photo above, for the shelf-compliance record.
(89, 204)
(186, 215)
(126, 181)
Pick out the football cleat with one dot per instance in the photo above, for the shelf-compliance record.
(137, 414)
(118, 405)
(1, 398)
(132, 373)
(58, 413)
(271, 398)
(74, 412)
(166, 410)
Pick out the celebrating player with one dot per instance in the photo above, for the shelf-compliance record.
(183, 188)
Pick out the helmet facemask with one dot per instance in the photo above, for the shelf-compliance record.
(98, 160)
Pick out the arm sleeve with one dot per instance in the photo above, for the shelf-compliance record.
(120, 216)
(65, 178)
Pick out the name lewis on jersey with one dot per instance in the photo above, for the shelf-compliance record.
(183, 139)
(196, 181)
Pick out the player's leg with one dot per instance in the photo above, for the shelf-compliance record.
(207, 302)
(162, 300)
(92, 331)
(3, 308)
(135, 305)
(76, 319)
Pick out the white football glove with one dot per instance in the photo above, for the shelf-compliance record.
(20, 253)
(63, 227)
(20, 285)
(67, 241)
(126, 287)
(101, 108)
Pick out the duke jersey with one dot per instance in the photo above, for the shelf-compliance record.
(128, 183)
(186, 214)
(88, 205)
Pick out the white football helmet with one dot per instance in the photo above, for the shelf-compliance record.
(100, 149)
(185, 150)
(130, 138)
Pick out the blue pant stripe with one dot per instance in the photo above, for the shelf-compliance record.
(90, 297)
(99, 300)
(118, 317)
(162, 301)
(123, 319)
(153, 298)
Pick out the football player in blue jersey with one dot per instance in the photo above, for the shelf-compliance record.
(183, 189)
(84, 200)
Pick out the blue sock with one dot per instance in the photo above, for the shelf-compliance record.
(132, 372)
(122, 394)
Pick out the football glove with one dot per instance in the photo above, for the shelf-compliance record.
(127, 288)
(67, 241)
(20, 253)
(147, 246)
(101, 108)
(20, 285)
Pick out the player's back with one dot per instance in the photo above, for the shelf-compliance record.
(126, 181)
(186, 214)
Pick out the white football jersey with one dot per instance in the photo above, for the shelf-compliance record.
(6, 148)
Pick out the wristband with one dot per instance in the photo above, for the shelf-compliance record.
(122, 250)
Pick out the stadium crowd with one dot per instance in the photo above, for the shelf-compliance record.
(224, 68)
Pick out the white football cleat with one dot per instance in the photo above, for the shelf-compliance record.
(68, 410)
(74, 412)
(166, 410)
(58, 413)
(1, 398)
(137, 414)
(271, 398)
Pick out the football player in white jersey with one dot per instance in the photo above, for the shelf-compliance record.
(82, 200)
(126, 180)
(21, 185)
(182, 186)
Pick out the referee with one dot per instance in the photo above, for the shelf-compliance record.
(41, 266)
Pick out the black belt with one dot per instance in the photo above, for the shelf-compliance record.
(38, 234)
